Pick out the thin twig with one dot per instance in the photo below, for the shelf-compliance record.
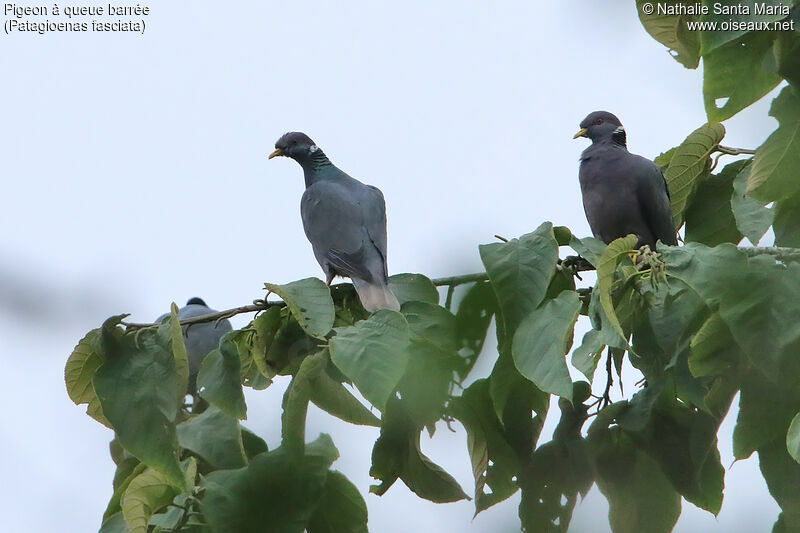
(734, 151)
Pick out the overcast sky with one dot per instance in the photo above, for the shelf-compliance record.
(134, 174)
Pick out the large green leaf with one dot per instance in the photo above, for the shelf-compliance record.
(752, 217)
(273, 493)
(216, 437)
(750, 294)
(138, 389)
(520, 271)
(734, 72)
(413, 288)
(425, 386)
(559, 471)
(781, 473)
(543, 339)
(688, 165)
(334, 398)
(78, 373)
(474, 315)
(397, 454)
(146, 494)
(310, 302)
(219, 380)
(341, 508)
(640, 497)
(494, 462)
(672, 31)
(765, 411)
(774, 173)
(709, 218)
(179, 351)
(126, 472)
(787, 222)
(606, 267)
(743, 16)
(373, 353)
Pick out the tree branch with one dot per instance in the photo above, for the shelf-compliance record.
(734, 151)
(576, 263)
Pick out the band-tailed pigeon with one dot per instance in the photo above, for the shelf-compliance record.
(345, 220)
(201, 338)
(622, 192)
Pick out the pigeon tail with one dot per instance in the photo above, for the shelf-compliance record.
(375, 296)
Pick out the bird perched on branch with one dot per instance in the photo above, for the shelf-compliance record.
(623, 193)
(200, 339)
(345, 220)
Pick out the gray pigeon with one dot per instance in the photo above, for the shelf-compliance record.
(345, 221)
(623, 193)
(200, 338)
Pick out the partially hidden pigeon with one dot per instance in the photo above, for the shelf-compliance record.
(201, 338)
(623, 193)
(345, 220)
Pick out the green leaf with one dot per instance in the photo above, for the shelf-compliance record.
(78, 373)
(334, 398)
(793, 438)
(266, 327)
(589, 248)
(252, 443)
(310, 302)
(341, 508)
(215, 436)
(606, 267)
(766, 410)
(373, 353)
(773, 175)
(474, 315)
(787, 222)
(397, 454)
(127, 470)
(711, 40)
(520, 271)
(413, 288)
(688, 165)
(752, 218)
(273, 491)
(559, 471)
(734, 72)
(147, 493)
(114, 524)
(494, 462)
(219, 380)
(781, 473)
(710, 348)
(138, 389)
(435, 324)
(179, 351)
(543, 339)
(745, 291)
(672, 31)
(709, 218)
(639, 495)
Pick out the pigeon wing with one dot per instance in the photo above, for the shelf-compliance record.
(333, 222)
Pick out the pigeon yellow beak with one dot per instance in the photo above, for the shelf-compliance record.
(581, 133)
(276, 153)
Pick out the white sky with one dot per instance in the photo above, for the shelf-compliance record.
(134, 174)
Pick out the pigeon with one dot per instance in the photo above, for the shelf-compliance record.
(345, 221)
(201, 338)
(623, 193)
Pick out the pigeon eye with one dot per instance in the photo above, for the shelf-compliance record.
(598, 121)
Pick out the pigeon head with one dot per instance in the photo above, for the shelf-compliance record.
(296, 145)
(196, 301)
(602, 126)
